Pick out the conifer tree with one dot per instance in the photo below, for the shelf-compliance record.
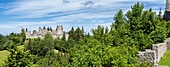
(119, 19)
(28, 45)
(26, 29)
(71, 33)
(136, 11)
(64, 37)
(159, 16)
(23, 36)
(82, 30)
(98, 33)
(17, 57)
(78, 34)
(34, 31)
(44, 27)
(48, 29)
(134, 16)
(88, 35)
(51, 29)
(164, 16)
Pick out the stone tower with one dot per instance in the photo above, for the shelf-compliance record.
(167, 10)
(59, 29)
(40, 29)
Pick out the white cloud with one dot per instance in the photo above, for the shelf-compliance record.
(42, 8)
(22, 24)
(70, 11)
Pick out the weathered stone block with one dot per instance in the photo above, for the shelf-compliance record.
(41, 33)
(156, 53)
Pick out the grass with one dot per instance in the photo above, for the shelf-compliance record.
(3, 56)
(165, 61)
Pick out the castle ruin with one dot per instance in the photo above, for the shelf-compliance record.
(41, 33)
(167, 10)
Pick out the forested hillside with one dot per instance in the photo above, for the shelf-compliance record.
(130, 32)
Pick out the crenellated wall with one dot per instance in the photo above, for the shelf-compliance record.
(154, 55)
(41, 33)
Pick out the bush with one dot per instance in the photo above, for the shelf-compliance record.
(159, 35)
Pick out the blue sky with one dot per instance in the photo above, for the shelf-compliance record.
(31, 14)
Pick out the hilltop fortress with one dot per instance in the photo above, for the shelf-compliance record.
(41, 33)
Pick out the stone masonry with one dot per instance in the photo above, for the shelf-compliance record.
(41, 33)
(167, 10)
(168, 43)
(154, 55)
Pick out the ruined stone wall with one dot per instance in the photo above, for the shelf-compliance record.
(60, 29)
(41, 33)
(160, 50)
(149, 55)
(28, 34)
(168, 43)
(156, 53)
(167, 5)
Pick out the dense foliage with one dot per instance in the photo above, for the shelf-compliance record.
(134, 31)
(17, 58)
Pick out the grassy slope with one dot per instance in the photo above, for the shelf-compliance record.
(3, 56)
(166, 59)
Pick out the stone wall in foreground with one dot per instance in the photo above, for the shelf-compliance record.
(154, 55)
(149, 55)
(168, 43)
(159, 49)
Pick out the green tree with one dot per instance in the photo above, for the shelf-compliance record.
(33, 45)
(26, 29)
(23, 36)
(64, 37)
(48, 29)
(34, 31)
(45, 45)
(78, 34)
(17, 58)
(87, 35)
(93, 53)
(28, 45)
(44, 27)
(159, 35)
(49, 60)
(4, 42)
(148, 23)
(82, 30)
(160, 15)
(71, 33)
(98, 33)
(51, 29)
(136, 11)
(134, 16)
(119, 19)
